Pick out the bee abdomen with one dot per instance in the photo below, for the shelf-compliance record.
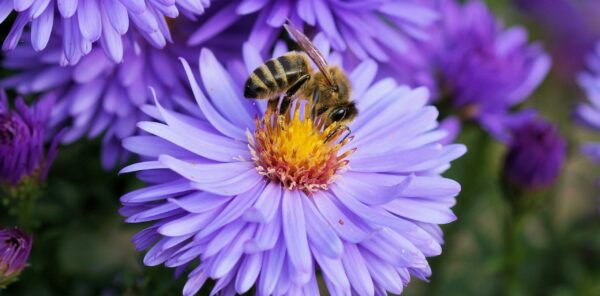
(275, 76)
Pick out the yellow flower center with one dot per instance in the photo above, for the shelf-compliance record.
(296, 151)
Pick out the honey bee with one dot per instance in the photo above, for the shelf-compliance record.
(328, 89)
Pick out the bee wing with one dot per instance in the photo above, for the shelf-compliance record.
(308, 47)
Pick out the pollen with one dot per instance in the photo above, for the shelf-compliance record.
(298, 152)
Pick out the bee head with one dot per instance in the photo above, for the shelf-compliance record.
(342, 113)
(341, 85)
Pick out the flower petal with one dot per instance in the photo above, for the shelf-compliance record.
(294, 230)
(322, 237)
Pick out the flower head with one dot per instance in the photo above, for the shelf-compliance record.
(536, 153)
(81, 23)
(15, 247)
(588, 114)
(22, 138)
(264, 199)
(483, 69)
(97, 95)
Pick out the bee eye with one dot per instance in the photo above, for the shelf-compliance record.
(338, 114)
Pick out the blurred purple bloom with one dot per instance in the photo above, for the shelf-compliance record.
(22, 141)
(81, 23)
(99, 96)
(589, 114)
(215, 194)
(482, 68)
(377, 29)
(15, 247)
(570, 27)
(536, 153)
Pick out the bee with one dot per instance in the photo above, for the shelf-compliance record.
(292, 74)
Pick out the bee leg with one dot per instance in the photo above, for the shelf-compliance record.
(335, 132)
(297, 85)
(272, 105)
(287, 99)
(315, 100)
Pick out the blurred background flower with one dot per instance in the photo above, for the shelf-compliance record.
(588, 114)
(381, 30)
(22, 134)
(15, 247)
(79, 24)
(536, 154)
(570, 29)
(480, 68)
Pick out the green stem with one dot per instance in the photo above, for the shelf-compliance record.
(513, 252)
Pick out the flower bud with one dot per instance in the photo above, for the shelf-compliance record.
(15, 247)
(536, 153)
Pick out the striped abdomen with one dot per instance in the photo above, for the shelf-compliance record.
(276, 75)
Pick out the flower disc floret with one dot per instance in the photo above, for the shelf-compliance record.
(296, 151)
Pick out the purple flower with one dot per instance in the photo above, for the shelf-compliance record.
(81, 23)
(22, 138)
(248, 198)
(571, 29)
(15, 247)
(99, 96)
(589, 114)
(377, 29)
(536, 153)
(482, 68)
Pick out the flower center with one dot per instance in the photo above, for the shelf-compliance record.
(298, 152)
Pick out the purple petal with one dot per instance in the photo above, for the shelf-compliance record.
(206, 173)
(215, 25)
(90, 20)
(266, 206)
(156, 192)
(117, 14)
(266, 236)
(135, 6)
(334, 272)
(271, 270)
(422, 210)
(21, 5)
(220, 123)
(322, 237)
(294, 230)
(111, 40)
(67, 8)
(223, 92)
(343, 225)
(187, 224)
(229, 257)
(200, 202)
(234, 209)
(356, 270)
(248, 272)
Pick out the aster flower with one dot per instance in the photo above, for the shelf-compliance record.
(482, 68)
(99, 96)
(265, 200)
(81, 23)
(367, 29)
(536, 154)
(22, 142)
(588, 114)
(15, 247)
